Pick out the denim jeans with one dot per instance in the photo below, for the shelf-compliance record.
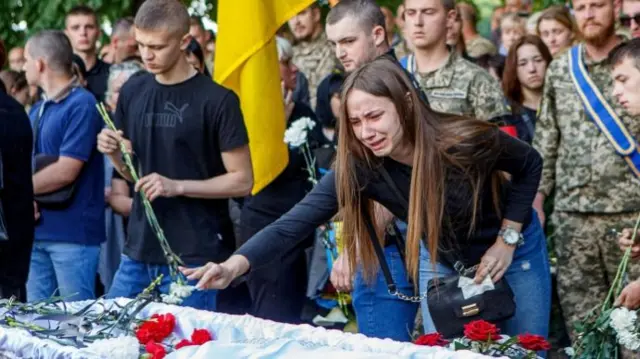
(133, 277)
(529, 277)
(379, 314)
(68, 267)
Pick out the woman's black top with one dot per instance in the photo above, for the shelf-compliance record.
(515, 157)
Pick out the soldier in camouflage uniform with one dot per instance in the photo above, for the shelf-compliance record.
(458, 86)
(596, 194)
(312, 54)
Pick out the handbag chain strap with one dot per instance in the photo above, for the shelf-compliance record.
(392, 289)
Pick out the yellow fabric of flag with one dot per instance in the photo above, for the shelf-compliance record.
(246, 61)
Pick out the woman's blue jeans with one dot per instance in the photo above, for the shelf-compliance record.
(529, 277)
(378, 313)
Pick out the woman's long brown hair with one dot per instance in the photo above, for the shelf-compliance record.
(510, 83)
(440, 142)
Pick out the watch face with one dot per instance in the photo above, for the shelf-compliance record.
(511, 236)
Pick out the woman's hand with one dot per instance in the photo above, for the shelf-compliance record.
(217, 276)
(495, 261)
(341, 277)
(625, 241)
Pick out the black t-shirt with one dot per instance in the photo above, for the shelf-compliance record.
(16, 193)
(291, 185)
(97, 79)
(179, 131)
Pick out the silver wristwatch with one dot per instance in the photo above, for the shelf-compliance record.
(511, 237)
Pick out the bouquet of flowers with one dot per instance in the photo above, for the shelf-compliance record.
(178, 289)
(605, 326)
(484, 338)
(108, 330)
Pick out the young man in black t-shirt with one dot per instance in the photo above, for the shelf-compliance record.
(191, 145)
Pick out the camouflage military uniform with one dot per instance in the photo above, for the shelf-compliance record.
(463, 88)
(595, 190)
(316, 60)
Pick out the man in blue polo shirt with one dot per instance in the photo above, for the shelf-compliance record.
(66, 123)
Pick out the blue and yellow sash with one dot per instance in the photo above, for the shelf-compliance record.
(601, 112)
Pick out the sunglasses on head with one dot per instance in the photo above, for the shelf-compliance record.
(625, 20)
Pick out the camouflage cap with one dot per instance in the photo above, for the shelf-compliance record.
(479, 47)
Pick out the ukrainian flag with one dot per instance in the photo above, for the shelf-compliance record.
(246, 61)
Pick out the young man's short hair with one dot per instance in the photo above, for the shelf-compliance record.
(367, 12)
(54, 47)
(82, 10)
(171, 15)
(468, 12)
(196, 21)
(629, 49)
(122, 26)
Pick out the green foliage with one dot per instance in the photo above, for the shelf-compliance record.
(49, 14)
(39, 15)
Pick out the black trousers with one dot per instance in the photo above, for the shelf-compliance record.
(7, 291)
(278, 289)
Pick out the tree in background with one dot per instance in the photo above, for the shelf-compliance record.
(21, 18)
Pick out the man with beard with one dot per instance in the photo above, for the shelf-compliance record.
(595, 190)
(311, 54)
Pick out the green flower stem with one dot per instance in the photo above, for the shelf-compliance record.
(616, 287)
(310, 161)
(173, 260)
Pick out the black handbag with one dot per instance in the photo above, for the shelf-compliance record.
(60, 198)
(4, 234)
(449, 310)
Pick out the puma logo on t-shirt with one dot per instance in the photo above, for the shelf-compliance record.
(169, 119)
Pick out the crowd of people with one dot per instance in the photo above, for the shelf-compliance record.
(452, 142)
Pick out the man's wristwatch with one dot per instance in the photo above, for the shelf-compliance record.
(511, 237)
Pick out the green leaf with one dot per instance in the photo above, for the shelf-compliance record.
(459, 346)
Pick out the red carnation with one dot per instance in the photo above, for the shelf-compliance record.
(156, 350)
(183, 343)
(533, 342)
(156, 329)
(165, 325)
(200, 336)
(144, 335)
(431, 340)
(481, 331)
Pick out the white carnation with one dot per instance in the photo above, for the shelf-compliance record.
(623, 319)
(570, 351)
(295, 137)
(123, 347)
(629, 340)
(181, 290)
(171, 299)
(303, 123)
